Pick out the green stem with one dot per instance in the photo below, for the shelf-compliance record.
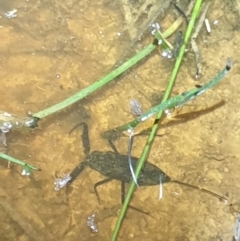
(176, 101)
(98, 84)
(159, 114)
(18, 162)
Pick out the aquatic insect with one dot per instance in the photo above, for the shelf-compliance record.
(116, 166)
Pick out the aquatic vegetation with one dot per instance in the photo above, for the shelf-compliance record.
(129, 163)
(27, 168)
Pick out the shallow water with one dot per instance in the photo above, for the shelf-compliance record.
(51, 50)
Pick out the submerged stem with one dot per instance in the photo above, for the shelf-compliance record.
(154, 128)
(25, 165)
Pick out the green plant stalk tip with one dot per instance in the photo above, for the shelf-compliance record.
(161, 40)
(18, 162)
(175, 101)
(154, 128)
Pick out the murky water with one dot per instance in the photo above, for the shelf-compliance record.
(52, 49)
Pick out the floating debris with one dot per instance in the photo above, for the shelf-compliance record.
(167, 54)
(11, 13)
(91, 223)
(135, 107)
(5, 127)
(155, 27)
(160, 187)
(167, 113)
(9, 121)
(207, 24)
(237, 229)
(130, 142)
(61, 182)
(25, 172)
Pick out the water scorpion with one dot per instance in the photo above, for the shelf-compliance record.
(115, 166)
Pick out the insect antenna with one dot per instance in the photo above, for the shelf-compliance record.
(221, 198)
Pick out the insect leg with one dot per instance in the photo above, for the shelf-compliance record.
(221, 198)
(123, 199)
(85, 137)
(99, 184)
(76, 172)
(112, 146)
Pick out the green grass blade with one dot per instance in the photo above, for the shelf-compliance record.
(176, 101)
(98, 84)
(151, 136)
(18, 162)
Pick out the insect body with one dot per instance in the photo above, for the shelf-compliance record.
(115, 166)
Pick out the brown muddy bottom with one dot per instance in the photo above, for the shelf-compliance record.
(49, 51)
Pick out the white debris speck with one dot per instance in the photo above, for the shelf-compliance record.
(29, 123)
(101, 34)
(159, 42)
(155, 27)
(215, 22)
(7, 114)
(160, 188)
(207, 24)
(91, 223)
(167, 113)
(11, 13)
(5, 127)
(143, 118)
(167, 54)
(25, 172)
(176, 194)
(61, 182)
(119, 34)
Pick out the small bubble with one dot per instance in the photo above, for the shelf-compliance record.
(29, 113)
(58, 76)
